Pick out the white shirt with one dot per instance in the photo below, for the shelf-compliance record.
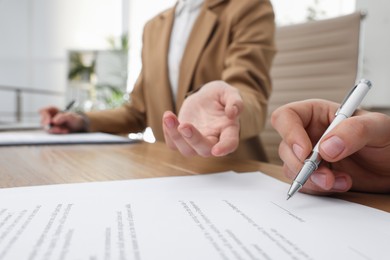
(185, 15)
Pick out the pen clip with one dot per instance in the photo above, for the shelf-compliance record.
(345, 99)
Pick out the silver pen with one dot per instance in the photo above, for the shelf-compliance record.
(346, 109)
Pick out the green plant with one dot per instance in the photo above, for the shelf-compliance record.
(121, 43)
(112, 96)
(78, 69)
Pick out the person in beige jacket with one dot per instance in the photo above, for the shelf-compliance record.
(229, 49)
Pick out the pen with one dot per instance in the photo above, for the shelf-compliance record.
(67, 108)
(346, 109)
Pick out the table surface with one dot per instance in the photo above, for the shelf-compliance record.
(58, 164)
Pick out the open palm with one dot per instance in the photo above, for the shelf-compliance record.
(208, 121)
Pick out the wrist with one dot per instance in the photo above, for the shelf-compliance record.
(85, 122)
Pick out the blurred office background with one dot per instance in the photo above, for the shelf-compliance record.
(52, 51)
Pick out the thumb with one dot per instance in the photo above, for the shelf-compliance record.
(353, 134)
(234, 104)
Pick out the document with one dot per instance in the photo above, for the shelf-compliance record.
(43, 138)
(20, 126)
(210, 216)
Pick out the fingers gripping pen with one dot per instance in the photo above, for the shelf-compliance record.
(347, 108)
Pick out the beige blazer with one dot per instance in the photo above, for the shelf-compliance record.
(232, 40)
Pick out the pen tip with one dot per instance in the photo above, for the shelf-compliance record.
(288, 196)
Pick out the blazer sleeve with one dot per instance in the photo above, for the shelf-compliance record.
(130, 117)
(248, 62)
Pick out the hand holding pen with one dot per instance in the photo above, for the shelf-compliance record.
(347, 108)
(355, 152)
(58, 121)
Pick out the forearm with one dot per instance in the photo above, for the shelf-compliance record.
(120, 120)
(248, 61)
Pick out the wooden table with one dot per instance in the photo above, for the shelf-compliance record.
(41, 165)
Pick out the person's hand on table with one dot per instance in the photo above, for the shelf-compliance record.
(55, 121)
(208, 122)
(356, 153)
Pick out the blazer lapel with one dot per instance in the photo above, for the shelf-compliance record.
(162, 48)
(201, 31)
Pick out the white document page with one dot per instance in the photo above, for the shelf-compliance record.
(213, 216)
(20, 126)
(44, 138)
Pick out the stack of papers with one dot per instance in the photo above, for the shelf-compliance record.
(43, 138)
(212, 216)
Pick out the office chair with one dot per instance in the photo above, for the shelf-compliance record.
(317, 59)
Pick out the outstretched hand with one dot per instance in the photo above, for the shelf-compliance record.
(208, 122)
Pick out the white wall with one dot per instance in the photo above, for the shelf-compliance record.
(290, 12)
(15, 42)
(35, 37)
(376, 51)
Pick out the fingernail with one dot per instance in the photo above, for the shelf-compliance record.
(340, 184)
(298, 151)
(169, 123)
(186, 132)
(319, 179)
(235, 110)
(333, 146)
